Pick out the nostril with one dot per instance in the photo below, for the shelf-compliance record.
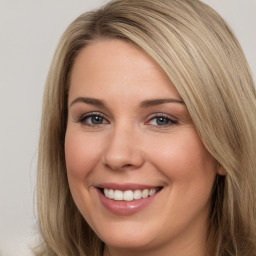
(127, 165)
(121, 159)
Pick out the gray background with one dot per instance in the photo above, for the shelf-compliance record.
(29, 32)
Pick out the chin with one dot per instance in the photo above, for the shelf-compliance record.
(127, 238)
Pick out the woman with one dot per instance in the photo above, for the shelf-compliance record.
(147, 137)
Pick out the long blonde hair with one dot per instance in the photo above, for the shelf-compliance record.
(202, 58)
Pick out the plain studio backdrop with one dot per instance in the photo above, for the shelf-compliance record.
(29, 33)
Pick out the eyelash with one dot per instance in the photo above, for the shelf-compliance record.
(170, 121)
(82, 119)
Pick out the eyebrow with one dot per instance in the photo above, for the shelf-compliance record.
(87, 100)
(155, 102)
(143, 104)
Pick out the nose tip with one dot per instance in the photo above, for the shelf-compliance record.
(121, 162)
(123, 153)
(121, 159)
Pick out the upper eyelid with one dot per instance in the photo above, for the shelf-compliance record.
(148, 117)
(159, 114)
(171, 120)
(83, 116)
(93, 113)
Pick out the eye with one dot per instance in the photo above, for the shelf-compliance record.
(162, 120)
(92, 120)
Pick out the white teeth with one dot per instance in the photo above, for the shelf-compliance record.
(118, 195)
(111, 193)
(106, 192)
(152, 191)
(144, 193)
(137, 194)
(128, 195)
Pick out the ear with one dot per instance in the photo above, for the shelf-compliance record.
(220, 170)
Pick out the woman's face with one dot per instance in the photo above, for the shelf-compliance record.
(129, 135)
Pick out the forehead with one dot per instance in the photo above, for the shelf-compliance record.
(106, 56)
(117, 65)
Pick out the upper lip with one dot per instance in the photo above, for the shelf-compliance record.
(125, 186)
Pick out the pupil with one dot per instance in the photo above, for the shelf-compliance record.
(162, 121)
(97, 120)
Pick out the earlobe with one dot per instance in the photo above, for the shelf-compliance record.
(220, 170)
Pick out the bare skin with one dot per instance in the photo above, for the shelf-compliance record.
(128, 126)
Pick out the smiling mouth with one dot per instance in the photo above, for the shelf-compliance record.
(129, 195)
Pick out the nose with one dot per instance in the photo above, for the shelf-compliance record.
(123, 149)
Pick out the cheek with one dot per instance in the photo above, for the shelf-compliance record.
(184, 158)
(82, 154)
(191, 172)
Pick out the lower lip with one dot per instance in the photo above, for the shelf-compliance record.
(125, 207)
